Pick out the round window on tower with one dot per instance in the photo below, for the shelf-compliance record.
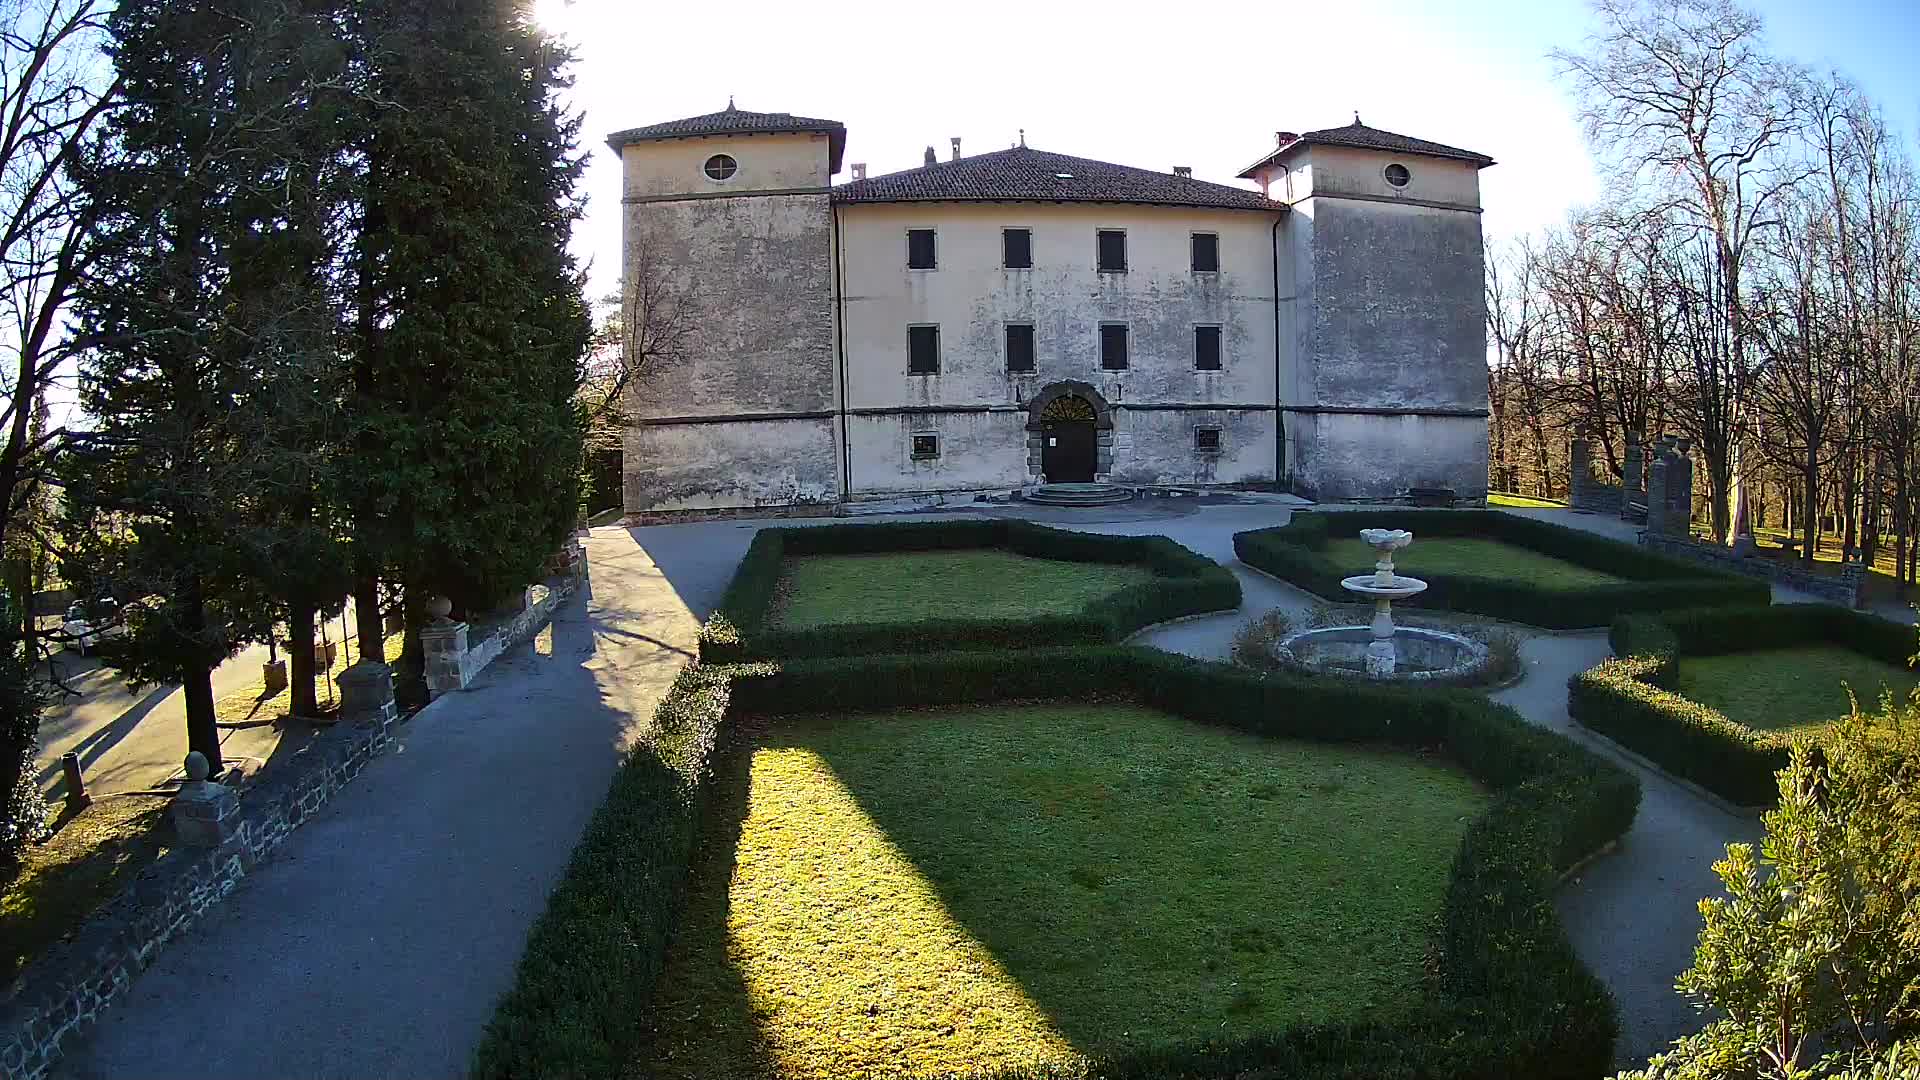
(1397, 175)
(722, 167)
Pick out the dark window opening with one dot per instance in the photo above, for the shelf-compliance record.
(1206, 251)
(1019, 347)
(920, 249)
(1206, 440)
(1206, 348)
(1018, 248)
(923, 350)
(1112, 245)
(926, 446)
(1113, 346)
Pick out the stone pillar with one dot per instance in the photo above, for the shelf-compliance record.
(1657, 496)
(273, 677)
(1633, 465)
(444, 644)
(1680, 490)
(1580, 478)
(203, 812)
(366, 694)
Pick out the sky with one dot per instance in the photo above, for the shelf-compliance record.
(1154, 86)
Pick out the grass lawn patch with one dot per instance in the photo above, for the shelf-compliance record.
(934, 586)
(1469, 555)
(1799, 688)
(1502, 498)
(985, 583)
(939, 891)
(1488, 562)
(84, 864)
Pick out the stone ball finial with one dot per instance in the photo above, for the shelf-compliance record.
(197, 768)
(439, 607)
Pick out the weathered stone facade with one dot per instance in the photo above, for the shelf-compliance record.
(1346, 300)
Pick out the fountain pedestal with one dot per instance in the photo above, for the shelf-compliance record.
(1385, 587)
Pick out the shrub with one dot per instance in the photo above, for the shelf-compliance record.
(1256, 644)
(1632, 699)
(1509, 998)
(579, 995)
(1184, 584)
(1294, 553)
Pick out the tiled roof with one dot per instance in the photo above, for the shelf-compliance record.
(1362, 137)
(1025, 175)
(732, 121)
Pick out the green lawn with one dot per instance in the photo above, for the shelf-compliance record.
(1787, 689)
(934, 891)
(986, 583)
(1469, 555)
(1501, 498)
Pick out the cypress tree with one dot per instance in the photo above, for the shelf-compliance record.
(470, 318)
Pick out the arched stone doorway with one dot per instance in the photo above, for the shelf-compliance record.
(1069, 434)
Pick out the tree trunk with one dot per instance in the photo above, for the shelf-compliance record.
(300, 663)
(203, 731)
(367, 621)
(1809, 535)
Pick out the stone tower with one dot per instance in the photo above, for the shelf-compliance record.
(728, 265)
(1388, 390)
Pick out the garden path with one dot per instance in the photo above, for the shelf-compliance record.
(377, 940)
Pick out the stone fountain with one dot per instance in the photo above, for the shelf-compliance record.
(1382, 650)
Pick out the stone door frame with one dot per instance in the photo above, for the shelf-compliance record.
(1102, 425)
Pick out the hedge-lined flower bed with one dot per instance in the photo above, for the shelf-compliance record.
(1633, 699)
(1507, 996)
(1295, 552)
(742, 628)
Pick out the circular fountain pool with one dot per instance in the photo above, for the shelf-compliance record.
(1431, 656)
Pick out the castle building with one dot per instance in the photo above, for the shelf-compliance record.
(985, 322)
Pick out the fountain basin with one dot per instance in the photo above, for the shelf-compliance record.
(1421, 656)
(1394, 588)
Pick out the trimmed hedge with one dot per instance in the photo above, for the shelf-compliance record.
(1294, 552)
(1632, 699)
(1508, 997)
(1184, 584)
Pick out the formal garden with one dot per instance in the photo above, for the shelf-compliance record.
(919, 812)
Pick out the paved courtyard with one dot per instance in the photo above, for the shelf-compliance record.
(377, 942)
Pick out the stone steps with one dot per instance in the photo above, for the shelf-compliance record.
(1079, 494)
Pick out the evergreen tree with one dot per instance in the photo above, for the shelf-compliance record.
(184, 310)
(471, 323)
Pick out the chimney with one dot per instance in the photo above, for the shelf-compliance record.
(859, 170)
(1282, 138)
(956, 148)
(1183, 170)
(930, 158)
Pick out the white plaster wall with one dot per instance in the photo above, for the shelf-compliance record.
(767, 162)
(730, 464)
(979, 451)
(1339, 456)
(1155, 447)
(1345, 170)
(971, 298)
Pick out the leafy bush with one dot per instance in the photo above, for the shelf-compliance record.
(1814, 948)
(1632, 699)
(1510, 996)
(1294, 552)
(1184, 584)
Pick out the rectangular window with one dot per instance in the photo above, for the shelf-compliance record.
(923, 350)
(1206, 348)
(1206, 252)
(1019, 347)
(1017, 248)
(1112, 245)
(1206, 440)
(926, 446)
(920, 255)
(1113, 346)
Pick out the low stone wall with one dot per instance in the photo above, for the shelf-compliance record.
(68, 987)
(1842, 588)
(456, 652)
